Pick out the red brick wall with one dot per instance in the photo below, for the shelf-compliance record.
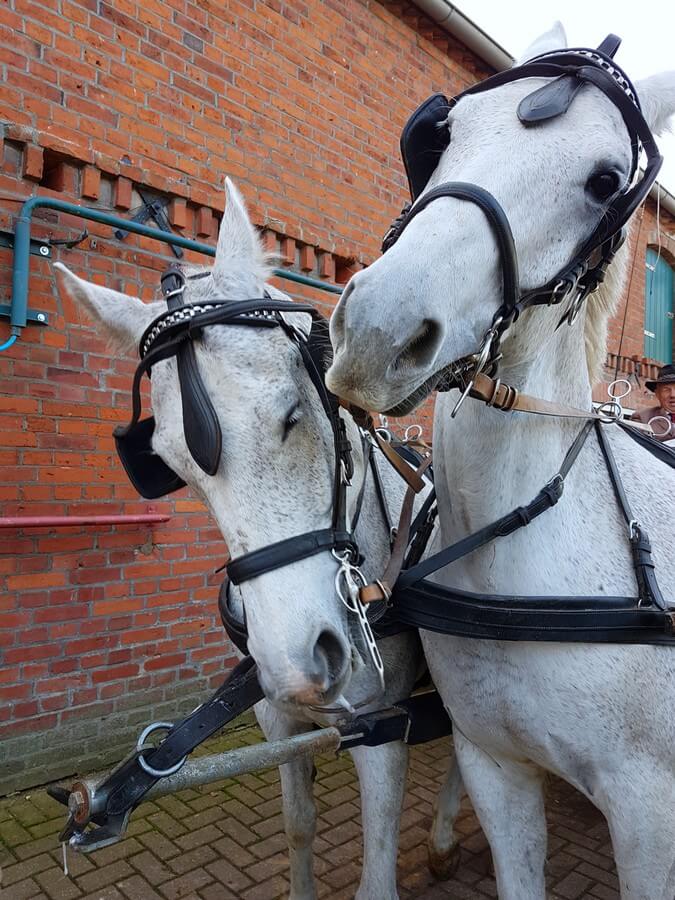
(102, 628)
(625, 344)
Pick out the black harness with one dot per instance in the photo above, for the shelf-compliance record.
(417, 601)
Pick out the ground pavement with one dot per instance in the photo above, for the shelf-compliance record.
(226, 841)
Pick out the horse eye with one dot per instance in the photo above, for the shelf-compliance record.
(603, 185)
(293, 416)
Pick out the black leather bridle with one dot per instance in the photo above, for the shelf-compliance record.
(424, 139)
(173, 334)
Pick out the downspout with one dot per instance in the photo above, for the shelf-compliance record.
(450, 19)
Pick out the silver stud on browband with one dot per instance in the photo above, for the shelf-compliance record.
(189, 312)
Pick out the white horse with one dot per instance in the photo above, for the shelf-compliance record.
(600, 716)
(275, 482)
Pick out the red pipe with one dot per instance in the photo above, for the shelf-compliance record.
(69, 521)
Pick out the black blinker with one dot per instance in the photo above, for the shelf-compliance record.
(423, 140)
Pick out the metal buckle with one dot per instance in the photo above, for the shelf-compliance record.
(141, 746)
(575, 306)
(481, 361)
(344, 477)
(610, 411)
(179, 291)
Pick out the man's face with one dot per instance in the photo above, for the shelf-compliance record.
(665, 394)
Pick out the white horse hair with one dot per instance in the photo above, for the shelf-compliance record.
(275, 481)
(598, 715)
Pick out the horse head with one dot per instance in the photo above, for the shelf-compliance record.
(534, 172)
(273, 475)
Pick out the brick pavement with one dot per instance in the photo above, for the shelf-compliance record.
(226, 841)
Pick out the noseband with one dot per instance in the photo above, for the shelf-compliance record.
(424, 139)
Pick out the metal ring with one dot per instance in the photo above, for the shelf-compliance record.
(615, 396)
(410, 430)
(611, 410)
(141, 746)
(663, 419)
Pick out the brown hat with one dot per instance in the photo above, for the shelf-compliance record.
(666, 376)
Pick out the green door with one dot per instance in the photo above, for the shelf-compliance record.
(658, 309)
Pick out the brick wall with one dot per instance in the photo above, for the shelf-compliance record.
(105, 628)
(625, 344)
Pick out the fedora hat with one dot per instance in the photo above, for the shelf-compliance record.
(666, 375)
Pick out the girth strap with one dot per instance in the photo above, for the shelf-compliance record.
(288, 551)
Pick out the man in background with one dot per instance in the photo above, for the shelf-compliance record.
(663, 414)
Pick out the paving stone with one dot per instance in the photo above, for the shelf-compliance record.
(107, 875)
(107, 893)
(160, 845)
(57, 885)
(196, 838)
(187, 885)
(22, 890)
(217, 892)
(22, 870)
(137, 888)
(192, 860)
(268, 890)
(151, 868)
(235, 854)
(229, 875)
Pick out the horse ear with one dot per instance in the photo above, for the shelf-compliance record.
(555, 39)
(657, 99)
(123, 318)
(238, 243)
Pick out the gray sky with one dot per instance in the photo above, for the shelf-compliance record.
(648, 34)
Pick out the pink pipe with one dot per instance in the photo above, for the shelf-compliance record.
(69, 521)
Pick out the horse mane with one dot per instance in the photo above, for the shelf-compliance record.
(600, 306)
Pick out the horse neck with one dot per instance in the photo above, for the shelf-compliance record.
(496, 461)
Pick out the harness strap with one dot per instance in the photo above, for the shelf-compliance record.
(648, 588)
(365, 421)
(381, 588)
(288, 551)
(547, 497)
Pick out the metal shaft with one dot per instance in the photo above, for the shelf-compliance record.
(207, 769)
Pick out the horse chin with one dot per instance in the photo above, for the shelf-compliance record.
(414, 398)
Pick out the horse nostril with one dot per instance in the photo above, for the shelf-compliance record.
(421, 349)
(330, 658)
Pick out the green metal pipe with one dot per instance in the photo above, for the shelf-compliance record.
(20, 272)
